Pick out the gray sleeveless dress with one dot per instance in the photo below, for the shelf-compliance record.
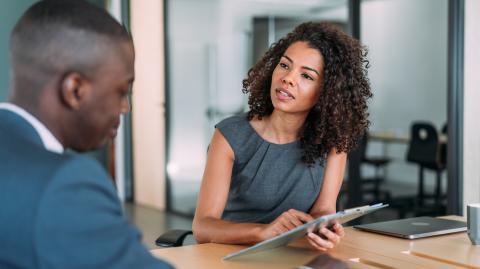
(267, 178)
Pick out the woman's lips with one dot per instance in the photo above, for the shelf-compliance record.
(283, 94)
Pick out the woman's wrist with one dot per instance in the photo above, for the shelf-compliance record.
(258, 232)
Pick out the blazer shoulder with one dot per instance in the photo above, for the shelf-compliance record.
(80, 216)
(77, 169)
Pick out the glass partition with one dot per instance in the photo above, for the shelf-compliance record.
(408, 48)
(210, 47)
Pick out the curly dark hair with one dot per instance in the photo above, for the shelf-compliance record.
(340, 117)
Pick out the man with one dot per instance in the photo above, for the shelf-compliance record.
(72, 68)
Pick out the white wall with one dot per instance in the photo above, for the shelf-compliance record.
(148, 103)
(407, 41)
(471, 131)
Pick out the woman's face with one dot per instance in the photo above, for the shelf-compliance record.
(297, 79)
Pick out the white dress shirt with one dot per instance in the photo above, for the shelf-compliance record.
(48, 139)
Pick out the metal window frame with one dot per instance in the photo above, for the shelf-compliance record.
(456, 19)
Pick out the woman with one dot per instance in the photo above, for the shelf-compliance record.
(282, 164)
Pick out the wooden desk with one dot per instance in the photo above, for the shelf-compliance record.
(358, 249)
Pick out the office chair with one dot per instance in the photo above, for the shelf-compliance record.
(424, 150)
(443, 146)
(172, 238)
(378, 163)
(355, 187)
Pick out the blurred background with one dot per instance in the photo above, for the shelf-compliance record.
(422, 151)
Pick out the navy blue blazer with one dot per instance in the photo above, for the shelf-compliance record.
(60, 210)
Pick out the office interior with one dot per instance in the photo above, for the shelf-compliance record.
(191, 57)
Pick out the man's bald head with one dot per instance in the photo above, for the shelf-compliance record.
(58, 36)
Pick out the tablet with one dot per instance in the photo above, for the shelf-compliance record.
(311, 226)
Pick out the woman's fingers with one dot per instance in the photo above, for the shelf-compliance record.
(289, 220)
(288, 224)
(327, 238)
(294, 218)
(302, 216)
(318, 242)
(331, 236)
(339, 230)
(282, 229)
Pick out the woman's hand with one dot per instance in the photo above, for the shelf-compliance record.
(326, 239)
(287, 221)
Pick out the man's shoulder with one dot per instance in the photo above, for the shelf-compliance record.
(73, 172)
(20, 156)
(30, 169)
(78, 179)
(78, 164)
(27, 163)
(80, 213)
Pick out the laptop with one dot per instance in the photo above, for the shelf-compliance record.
(414, 228)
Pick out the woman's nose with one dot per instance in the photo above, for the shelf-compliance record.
(288, 79)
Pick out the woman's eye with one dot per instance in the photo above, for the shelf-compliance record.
(283, 65)
(307, 76)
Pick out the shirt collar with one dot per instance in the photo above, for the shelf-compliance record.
(48, 139)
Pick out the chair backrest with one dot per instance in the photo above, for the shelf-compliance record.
(423, 147)
(443, 145)
(354, 179)
(362, 146)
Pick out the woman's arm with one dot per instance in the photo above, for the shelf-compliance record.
(332, 182)
(207, 223)
(327, 199)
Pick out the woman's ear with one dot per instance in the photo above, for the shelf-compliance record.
(74, 90)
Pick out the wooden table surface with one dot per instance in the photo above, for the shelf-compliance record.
(358, 249)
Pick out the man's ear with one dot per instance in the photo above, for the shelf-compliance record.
(74, 88)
